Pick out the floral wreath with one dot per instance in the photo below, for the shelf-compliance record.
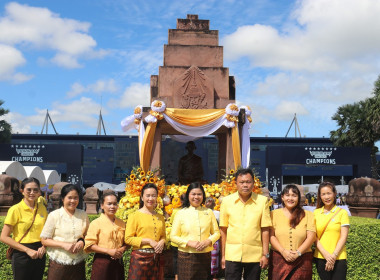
(137, 114)
(156, 112)
(232, 113)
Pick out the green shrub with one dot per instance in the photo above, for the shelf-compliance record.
(363, 248)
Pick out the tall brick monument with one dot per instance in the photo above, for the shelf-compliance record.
(193, 77)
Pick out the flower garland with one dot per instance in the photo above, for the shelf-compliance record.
(157, 108)
(232, 113)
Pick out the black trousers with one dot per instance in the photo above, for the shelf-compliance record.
(25, 268)
(249, 271)
(338, 273)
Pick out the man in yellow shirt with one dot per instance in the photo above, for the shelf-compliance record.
(244, 227)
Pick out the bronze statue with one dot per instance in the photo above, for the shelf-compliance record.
(190, 167)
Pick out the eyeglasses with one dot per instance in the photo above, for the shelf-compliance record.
(35, 190)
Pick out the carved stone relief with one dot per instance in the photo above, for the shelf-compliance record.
(193, 90)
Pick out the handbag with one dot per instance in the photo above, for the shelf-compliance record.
(10, 249)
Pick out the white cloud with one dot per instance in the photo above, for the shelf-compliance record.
(283, 84)
(11, 58)
(39, 28)
(136, 94)
(286, 110)
(327, 35)
(79, 113)
(18, 123)
(98, 87)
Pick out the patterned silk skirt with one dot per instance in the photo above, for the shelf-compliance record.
(215, 259)
(146, 266)
(280, 269)
(194, 266)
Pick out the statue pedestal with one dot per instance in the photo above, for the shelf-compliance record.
(4, 210)
(91, 207)
(365, 212)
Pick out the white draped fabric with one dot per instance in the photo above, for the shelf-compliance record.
(193, 132)
(197, 131)
(245, 145)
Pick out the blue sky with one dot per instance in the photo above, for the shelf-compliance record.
(75, 57)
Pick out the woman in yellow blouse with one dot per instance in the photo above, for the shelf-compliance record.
(63, 235)
(145, 232)
(332, 230)
(195, 230)
(105, 237)
(291, 236)
(28, 259)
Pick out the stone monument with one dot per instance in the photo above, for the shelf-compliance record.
(363, 197)
(55, 197)
(193, 77)
(91, 199)
(9, 193)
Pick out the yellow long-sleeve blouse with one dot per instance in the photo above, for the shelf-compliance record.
(105, 234)
(196, 224)
(142, 225)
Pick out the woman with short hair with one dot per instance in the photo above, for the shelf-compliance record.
(25, 221)
(194, 230)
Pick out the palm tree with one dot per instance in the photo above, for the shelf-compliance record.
(5, 127)
(359, 125)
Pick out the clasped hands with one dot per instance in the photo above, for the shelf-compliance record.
(74, 248)
(157, 246)
(33, 254)
(289, 255)
(330, 262)
(199, 245)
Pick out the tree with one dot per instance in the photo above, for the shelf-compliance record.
(5, 127)
(359, 125)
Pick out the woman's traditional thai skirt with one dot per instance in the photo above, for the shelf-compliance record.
(149, 266)
(215, 259)
(194, 265)
(280, 269)
(66, 272)
(104, 267)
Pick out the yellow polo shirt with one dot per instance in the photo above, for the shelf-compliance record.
(20, 217)
(196, 224)
(332, 233)
(244, 222)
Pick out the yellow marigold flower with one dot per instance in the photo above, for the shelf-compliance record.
(232, 171)
(142, 173)
(137, 110)
(151, 180)
(132, 176)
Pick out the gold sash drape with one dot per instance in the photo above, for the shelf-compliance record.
(189, 117)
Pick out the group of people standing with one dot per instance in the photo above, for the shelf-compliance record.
(246, 228)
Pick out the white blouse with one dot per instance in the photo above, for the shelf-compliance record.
(60, 226)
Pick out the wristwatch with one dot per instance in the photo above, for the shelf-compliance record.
(267, 255)
(299, 253)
